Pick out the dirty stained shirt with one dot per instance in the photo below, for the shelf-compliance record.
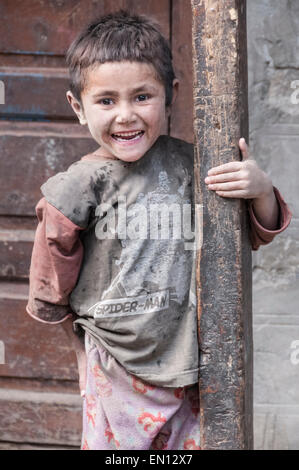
(134, 294)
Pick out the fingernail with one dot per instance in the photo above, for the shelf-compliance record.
(82, 393)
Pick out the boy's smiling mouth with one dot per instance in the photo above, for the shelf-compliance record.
(126, 136)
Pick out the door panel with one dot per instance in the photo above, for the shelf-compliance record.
(40, 136)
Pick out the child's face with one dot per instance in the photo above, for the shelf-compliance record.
(123, 104)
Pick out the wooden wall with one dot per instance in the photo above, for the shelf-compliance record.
(40, 406)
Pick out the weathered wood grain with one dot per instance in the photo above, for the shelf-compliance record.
(35, 93)
(44, 418)
(30, 154)
(33, 349)
(181, 121)
(47, 28)
(224, 261)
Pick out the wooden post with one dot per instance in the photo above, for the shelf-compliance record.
(224, 278)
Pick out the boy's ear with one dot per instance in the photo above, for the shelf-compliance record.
(77, 107)
(175, 91)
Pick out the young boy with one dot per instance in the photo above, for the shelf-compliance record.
(128, 294)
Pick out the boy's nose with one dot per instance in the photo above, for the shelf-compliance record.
(125, 113)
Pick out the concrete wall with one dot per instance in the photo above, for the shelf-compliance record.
(273, 39)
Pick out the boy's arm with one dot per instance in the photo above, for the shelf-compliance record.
(269, 214)
(55, 263)
(261, 235)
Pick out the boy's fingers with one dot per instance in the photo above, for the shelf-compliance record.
(232, 166)
(225, 168)
(223, 178)
(244, 148)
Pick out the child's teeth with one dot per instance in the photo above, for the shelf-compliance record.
(128, 136)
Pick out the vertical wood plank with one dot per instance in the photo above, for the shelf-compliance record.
(224, 280)
(181, 122)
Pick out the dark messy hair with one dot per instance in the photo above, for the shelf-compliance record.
(118, 37)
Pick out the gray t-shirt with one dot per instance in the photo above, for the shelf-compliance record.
(135, 294)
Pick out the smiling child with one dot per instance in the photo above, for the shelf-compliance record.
(127, 300)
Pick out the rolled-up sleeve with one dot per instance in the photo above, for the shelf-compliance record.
(259, 235)
(55, 264)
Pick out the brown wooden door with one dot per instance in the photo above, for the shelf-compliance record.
(39, 395)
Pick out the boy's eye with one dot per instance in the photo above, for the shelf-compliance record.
(106, 101)
(142, 97)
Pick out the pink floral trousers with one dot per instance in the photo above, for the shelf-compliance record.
(122, 412)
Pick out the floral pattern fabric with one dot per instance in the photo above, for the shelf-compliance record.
(122, 412)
